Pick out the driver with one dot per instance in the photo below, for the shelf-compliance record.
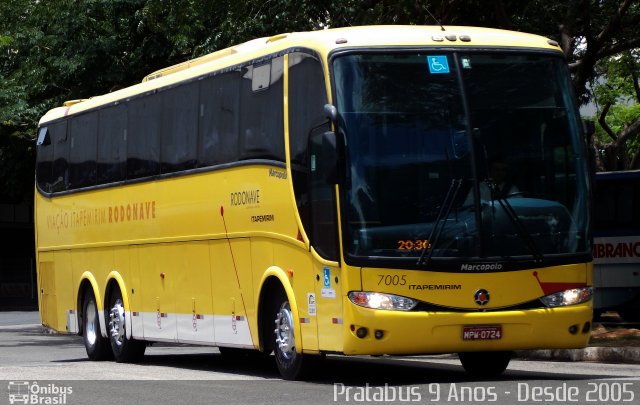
(502, 188)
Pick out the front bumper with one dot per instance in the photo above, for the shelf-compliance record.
(441, 332)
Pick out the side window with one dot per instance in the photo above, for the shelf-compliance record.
(83, 150)
(44, 158)
(112, 144)
(219, 119)
(60, 169)
(315, 199)
(143, 137)
(179, 128)
(261, 122)
(307, 97)
(324, 216)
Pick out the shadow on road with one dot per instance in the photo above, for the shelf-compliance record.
(347, 370)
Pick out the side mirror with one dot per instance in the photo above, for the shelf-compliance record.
(331, 112)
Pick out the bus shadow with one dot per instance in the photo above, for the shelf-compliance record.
(401, 371)
(347, 370)
(352, 370)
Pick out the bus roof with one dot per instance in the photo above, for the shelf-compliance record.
(322, 41)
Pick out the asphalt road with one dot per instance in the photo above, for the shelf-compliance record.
(51, 368)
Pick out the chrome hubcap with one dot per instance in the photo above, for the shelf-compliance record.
(91, 323)
(284, 332)
(116, 322)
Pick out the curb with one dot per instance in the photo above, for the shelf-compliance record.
(628, 355)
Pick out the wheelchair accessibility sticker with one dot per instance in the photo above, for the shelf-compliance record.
(327, 277)
(438, 64)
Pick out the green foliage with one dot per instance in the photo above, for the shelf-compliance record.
(617, 96)
(620, 116)
(614, 78)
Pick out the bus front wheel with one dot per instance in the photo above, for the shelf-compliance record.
(124, 350)
(97, 347)
(289, 361)
(485, 364)
(292, 364)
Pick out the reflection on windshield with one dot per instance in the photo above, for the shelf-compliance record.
(522, 188)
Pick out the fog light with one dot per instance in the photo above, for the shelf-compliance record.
(573, 329)
(379, 334)
(586, 328)
(362, 332)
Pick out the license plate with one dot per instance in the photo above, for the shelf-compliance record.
(493, 332)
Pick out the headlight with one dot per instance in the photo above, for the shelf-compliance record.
(568, 297)
(376, 300)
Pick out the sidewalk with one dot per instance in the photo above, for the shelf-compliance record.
(609, 343)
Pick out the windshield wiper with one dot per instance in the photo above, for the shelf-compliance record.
(437, 229)
(521, 230)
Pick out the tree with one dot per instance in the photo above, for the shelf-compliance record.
(617, 96)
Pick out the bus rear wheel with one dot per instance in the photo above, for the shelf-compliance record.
(124, 350)
(97, 347)
(485, 364)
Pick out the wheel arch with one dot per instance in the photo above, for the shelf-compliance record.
(87, 282)
(275, 282)
(115, 280)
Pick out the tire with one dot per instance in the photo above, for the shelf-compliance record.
(630, 312)
(97, 347)
(597, 315)
(124, 350)
(485, 364)
(291, 364)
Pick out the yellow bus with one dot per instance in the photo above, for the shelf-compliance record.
(325, 192)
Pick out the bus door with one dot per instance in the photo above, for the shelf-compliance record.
(324, 241)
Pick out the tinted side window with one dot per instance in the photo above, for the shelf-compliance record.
(83, 150)
(60, 171)
(219, 119)
(143, 137)
(261, 123)
(323, 231)
(44, 159)
(307, 97)
(179, 128)
(112, 144)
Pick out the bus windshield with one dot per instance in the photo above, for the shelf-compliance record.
(460, 155)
